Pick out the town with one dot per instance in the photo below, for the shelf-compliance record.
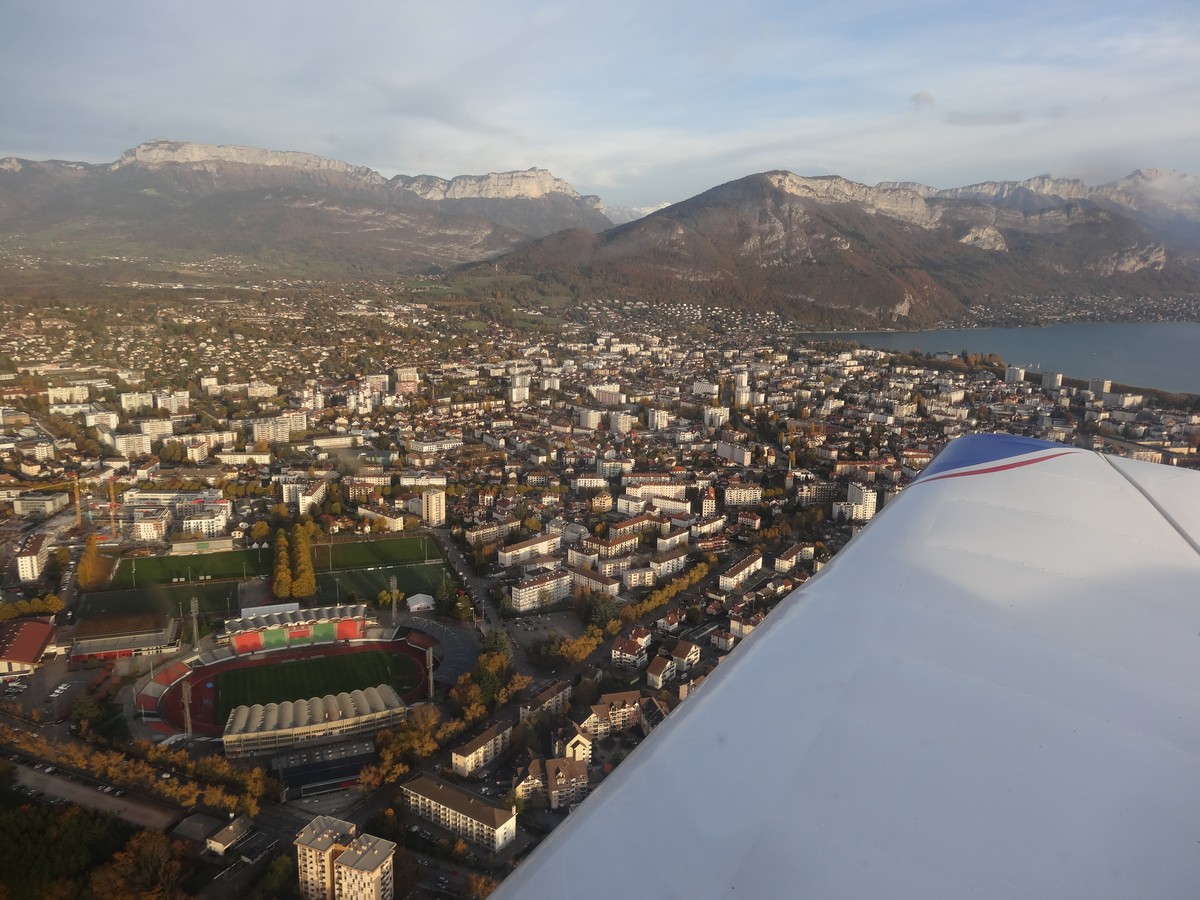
(554, 524)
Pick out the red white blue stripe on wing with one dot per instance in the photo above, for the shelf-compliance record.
(983, 454)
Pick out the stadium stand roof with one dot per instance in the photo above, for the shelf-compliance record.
(298, 617)
(293, 714)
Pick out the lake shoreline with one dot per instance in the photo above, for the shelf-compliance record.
(1159, 356)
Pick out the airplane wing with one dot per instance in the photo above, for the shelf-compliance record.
(992, 691)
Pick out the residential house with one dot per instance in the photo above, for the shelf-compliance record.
(660, 672)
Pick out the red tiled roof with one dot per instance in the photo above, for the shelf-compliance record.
(24, 640)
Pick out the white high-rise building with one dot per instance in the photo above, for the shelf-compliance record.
(864, 499)
(433, 507)
(334, 862)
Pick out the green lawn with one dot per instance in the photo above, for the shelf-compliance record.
(386, 552)
(147, 570)
(219, 597)
(301, 679)
(366, 584)
(362, 568)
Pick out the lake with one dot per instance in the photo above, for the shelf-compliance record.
(1163, 355)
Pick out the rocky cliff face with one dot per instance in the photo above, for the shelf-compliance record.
(896, 202)
(530, 184)
(158, 154)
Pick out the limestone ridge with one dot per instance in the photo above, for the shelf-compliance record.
(1165, 201)
(156, 154)
(494, 186)
(285, 209)
(898, 202)
(530, 184)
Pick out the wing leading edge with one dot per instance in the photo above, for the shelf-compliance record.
(993, 691)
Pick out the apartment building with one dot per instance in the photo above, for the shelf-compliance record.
(593, 581)
(32, 559)
(605, 549)
(481, 749)
(433, 507)
(554, 698)
(611, 713)
(740, 493)
(541, 590)
(537, 546)
(333, 862)
(461, 813)
(737, 575)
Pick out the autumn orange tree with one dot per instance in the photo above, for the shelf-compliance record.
(91, 567)
(479, 886)
(151, 865)
(491, 684)
(281, 586)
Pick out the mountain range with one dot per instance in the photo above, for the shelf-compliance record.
(823, 249)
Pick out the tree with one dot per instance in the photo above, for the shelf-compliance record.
(479, 886)
(259, 531)
(279, 880)
(149, 866)
(444, 598)
(91, 569)
(86, 707)
(304, 577)
(497, 641)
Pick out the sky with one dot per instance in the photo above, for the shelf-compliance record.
(640, 102)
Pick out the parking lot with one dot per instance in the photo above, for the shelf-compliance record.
(539, 626)
(51, 689)
(49, 785)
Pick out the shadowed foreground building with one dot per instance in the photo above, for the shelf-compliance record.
(333, 863)
(460, 812)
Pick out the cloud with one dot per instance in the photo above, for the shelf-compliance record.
(638, 102)
(972, 120)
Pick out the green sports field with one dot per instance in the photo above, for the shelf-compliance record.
(365, 584)
(301, 679)
(216, 597)
(361, 568)
(147, 570)
(384, 552)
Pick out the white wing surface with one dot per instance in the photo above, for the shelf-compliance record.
(993, 691)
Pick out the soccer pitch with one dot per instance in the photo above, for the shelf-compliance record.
(215, 597)
(141, 572)
(359, 568)
(301, 679)
(385, 552)
(365, 584)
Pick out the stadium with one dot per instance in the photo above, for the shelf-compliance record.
(282, 676)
